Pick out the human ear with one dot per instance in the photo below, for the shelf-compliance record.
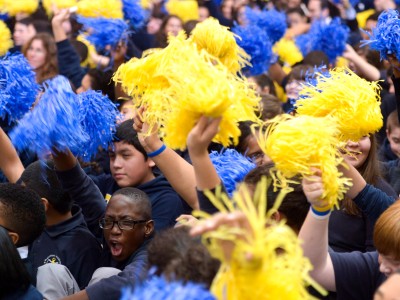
(149, 228)
(14, 237)
(45, 203)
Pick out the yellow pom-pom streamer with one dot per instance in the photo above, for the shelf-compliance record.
(220, 42)
(267, 263)
(354, 103)
(296, 144)
(5, 38)
(287, 51)
(176, 92)
(146, 4)
(14, 7)
(185, 9)
(88, 62)
(110, 9)
(60, 4)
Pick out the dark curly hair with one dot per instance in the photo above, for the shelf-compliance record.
(178, 256)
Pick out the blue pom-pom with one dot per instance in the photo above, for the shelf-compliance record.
(231, 167)
(18, 87)
(385, 38)
(256, 43)
(329, 38)
(272, 21)
(102, 32)
(157, 288)
(98, 120)
(53, 122)
(134, 13)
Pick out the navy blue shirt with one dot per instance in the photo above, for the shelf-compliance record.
(133, 272)
(71, 244)
(357, 275)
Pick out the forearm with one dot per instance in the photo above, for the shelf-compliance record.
(10, 163)
(58, 32)
(206, 175)
(64, 161)
(179, 173)
(358, 182)
(368, 71)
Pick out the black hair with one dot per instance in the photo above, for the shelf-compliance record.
(126, 134)
(178, 256)
(23, 212)
(25, 21)
(42, 178)
(13, 274)
(316, 58)
(102, 81)
(245, 132)
(140, 198)
(263, 81)
(294, 206)
(189, 26)
(297, 10)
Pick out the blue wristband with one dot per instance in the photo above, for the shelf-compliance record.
(157, 152)
(320, 214)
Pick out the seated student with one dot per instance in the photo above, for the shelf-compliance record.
(22, 214)
(390, 149)
(15, 280)
(127, 228)
(66, 239)
(132, 167)
(353, 275)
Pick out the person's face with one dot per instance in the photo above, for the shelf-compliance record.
(173, 26)
(394, 140)
(315, 11)
(294, 19)
(388, 265)
(123, 243)
(293, 88)
(153, 26)
(227, 9)
(293, 3)
(127, 110)
(379, 5)
(359, 151)
(36, 54)
(255, 153)
(369, 25)
(23, 33)
(128, 166)
(86, 84)
(241, 15)
(203, 13)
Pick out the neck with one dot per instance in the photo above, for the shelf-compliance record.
(53, 218)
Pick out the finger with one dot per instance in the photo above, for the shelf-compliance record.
(201, 124)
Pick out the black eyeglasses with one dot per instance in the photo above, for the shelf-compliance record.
(122, 224)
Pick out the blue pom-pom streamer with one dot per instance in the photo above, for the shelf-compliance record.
(329, 38)
(385, 38)
(256, 43)
(157, 288)
(53, 122)
(98, 120)
(18, 87)
(102, 32)
(231, 167)
(134, 13)
(271, 21)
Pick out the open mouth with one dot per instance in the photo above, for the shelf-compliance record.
(116, 248)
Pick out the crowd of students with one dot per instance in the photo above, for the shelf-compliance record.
(71, 229)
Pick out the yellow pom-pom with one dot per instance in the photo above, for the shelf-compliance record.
(14, 7)
(111, 9)
(296, 144)
(185, 9)
(146, 4)
(287, 51)
(220, 42)
(5, 38)
(353, 101)
(88, 62)
(266, 263)
(176, 92)
(60, 4)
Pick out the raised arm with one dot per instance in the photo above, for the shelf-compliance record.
(314, 233)
(367, 70)
(10, 163)
(179, 173)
